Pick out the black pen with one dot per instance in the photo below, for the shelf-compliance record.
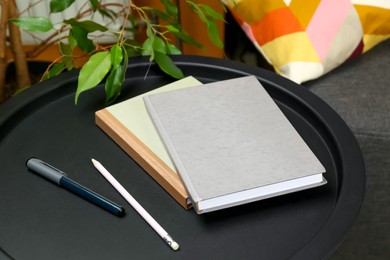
(59, 177)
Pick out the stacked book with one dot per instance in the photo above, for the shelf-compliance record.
(213, 146)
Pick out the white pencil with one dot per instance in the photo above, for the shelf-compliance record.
(148, 218)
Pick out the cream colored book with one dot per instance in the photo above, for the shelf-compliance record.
(128, 124)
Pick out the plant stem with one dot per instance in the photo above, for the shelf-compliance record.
(3, 58)
(22, 73)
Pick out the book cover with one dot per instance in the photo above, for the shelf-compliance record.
(231, 144)
(129, 125)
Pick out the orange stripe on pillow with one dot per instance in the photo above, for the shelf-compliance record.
(275, 24)
(375, 20)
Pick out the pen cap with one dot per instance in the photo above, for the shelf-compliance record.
(45, 170)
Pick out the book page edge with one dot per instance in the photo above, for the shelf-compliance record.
(137, 150)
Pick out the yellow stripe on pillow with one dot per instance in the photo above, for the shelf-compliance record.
(304, 10)
(257, 9)
(370, 40)
(375, 20)
(289, 48)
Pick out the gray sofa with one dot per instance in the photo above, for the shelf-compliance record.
(359, 91)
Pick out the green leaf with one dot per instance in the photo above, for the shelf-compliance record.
(183, 36)
(132, 52)
(170, 7)
(172, 49)
(147, 49)
(20, 90)
(81, 37)
(89, 26)
(59, 5)
(54, 70)
(94, 4)
(172, 29)
(125, 59)
(117, 75)
(133, 20)
(166, 64)
(116, 55)
(65, 50)
(93, 72)
(114, 84)
(33, 23)
(132, 42)
(67, 58)
(210, 12)
(149, 32)
(132, 48)
(213, 32)
(199, 11)
(147, 46)
(131, 29)
(68, 61)
(159, 45)
(105, 12)
(164, 16)
(72, 41)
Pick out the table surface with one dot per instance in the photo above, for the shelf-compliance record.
(41, 221)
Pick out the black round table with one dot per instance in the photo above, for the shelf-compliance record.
(39, 220)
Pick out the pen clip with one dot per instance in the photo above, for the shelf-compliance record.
(54, 168)
(44, 169)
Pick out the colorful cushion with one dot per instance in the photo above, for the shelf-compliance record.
(306, 39)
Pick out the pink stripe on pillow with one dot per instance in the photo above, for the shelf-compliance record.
(325, 23)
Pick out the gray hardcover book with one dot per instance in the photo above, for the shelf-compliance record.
(231, 144)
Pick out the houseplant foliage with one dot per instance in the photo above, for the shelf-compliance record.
(110, 61)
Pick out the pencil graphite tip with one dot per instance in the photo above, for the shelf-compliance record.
(94, 161)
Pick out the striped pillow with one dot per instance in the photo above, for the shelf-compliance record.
(306, 39)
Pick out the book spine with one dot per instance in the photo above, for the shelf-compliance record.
(172, 152)
(138, 151)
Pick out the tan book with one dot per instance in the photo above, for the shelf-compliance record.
(128, 124)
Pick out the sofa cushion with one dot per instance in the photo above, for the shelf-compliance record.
(306, 39)
(360, 91)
